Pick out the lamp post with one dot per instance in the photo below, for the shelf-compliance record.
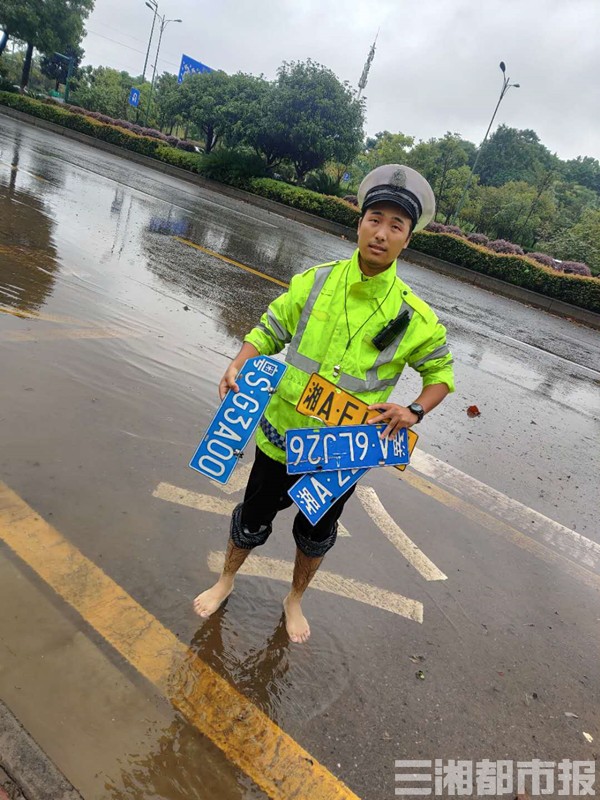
(506, 85)
(163, 24)
(153, 6)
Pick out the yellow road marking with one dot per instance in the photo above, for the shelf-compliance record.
(231, 261)
(68, 333)
(17, 168)
(23, 314)
(250, 740)
(205, 502)
(391, 530)
(273, 568)
(503, 529)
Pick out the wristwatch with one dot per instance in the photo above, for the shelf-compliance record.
(417, 410)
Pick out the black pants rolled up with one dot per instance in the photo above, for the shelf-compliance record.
(267, 494)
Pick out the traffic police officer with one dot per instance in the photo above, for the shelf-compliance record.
(336, 320)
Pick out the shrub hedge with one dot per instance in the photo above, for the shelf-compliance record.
(333, 208)
(519, 270)
(578, 290)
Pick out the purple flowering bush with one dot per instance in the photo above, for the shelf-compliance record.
(502, 246)
(454, 230)
(574, 268)
(133, 127)
(544, 259)
(435, 227)
(438, 227)
(478, 238)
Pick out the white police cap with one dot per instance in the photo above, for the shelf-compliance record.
(404, 186)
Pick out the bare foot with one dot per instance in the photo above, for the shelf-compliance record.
(207, 602)
(296, 623)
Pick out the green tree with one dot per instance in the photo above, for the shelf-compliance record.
(105, 90)
(167, 102)
(387, 148)
(383, 148)
(514, 155)
(516, 211)
(248, 95)
(581, 242)
(47, 25)
(439, 161)
(572, 201)
(584, 171)
(57, 68)
(313, 118)
(220, 106)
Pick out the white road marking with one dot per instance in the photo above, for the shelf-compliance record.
(237, 481)
(204, 502)
(260, 567)
(374, 508)
(577, 547)
(201, 502)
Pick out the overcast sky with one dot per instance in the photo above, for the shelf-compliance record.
(435, 67)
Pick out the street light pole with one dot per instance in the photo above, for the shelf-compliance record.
(506, 85)
(153, 6)
(163, 24)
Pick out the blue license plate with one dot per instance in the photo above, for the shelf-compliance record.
(314, 494)
(237, 417)
(343, 447)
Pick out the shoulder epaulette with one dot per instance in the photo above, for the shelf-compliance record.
(420, 306)
(328, 264)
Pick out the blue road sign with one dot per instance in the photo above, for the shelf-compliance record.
(343, 447)
(237, 417)
(134, 97)
(314, 494)
(189, 66)
(346, 177)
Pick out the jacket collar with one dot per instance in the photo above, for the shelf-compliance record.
(377, 286)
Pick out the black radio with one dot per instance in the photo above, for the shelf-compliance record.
(392, 330)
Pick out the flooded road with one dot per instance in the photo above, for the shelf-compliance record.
(123, 294)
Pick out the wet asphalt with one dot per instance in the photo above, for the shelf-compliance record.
(108, 380)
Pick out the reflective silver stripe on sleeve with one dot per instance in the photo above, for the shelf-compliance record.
(293, 357)
(304, 363)
(283, 334)
(439, 352)
(261, 326)
(319, 282)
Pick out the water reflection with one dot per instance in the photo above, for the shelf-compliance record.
(28, 258)
(291, 685)
(269, 250)
(181, 764)
(231, 300)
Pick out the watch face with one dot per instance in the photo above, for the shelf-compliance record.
(417, 410)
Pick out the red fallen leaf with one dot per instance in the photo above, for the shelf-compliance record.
(473, 411)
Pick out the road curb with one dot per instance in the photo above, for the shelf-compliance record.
(526, 296)
(27, 765)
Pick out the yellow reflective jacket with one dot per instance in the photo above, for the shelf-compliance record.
(328, 317)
